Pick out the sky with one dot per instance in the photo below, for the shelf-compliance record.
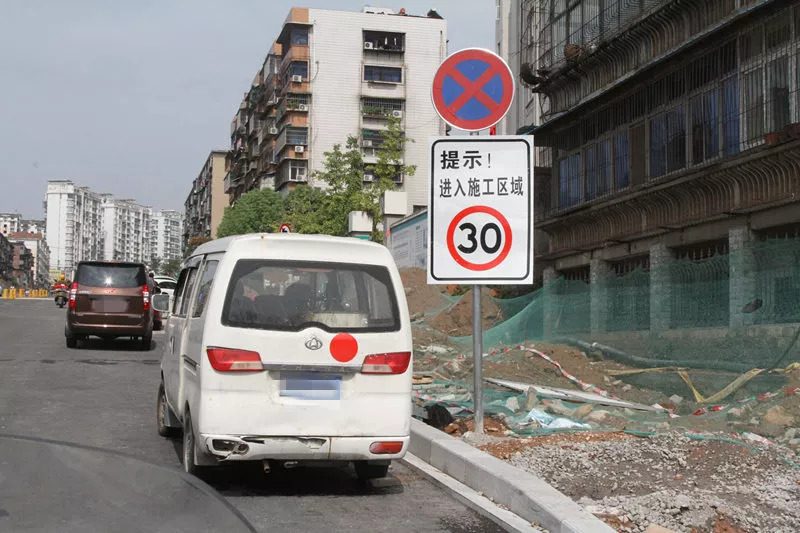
(128, 97)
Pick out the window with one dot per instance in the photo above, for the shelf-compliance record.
(754, 105)
(204, 287)
(621, 160)
(299, 36)
(384, 74)
(296, 135)
(104, 275)
(384, 41)
(730, 115)
(298, 68)
(667, 142)
(778, 94)
(597, 167)
(705, 126)
(292, 295)
(570, 180)
(180, 290)
(190, 283)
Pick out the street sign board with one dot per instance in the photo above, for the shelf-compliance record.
(481, 210)
(285, 228)
(472, 89)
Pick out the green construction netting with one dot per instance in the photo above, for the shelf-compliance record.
(718, 315)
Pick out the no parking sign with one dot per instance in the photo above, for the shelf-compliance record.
(481, 210)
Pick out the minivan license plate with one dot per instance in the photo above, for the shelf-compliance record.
(310, 385)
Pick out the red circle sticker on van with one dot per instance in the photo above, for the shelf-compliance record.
(344, 347)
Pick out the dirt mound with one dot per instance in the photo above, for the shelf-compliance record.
(457, 320)
(421, 297)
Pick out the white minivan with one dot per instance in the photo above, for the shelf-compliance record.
(283, 347)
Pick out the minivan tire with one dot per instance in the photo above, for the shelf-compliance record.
(188, 447)
(163, 414)
(72, 341)
(366, 471)
(146, 342)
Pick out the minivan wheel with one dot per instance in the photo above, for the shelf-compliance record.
(188, 454)
(145, 342)
(72, 341)
(163, 414)
(365, 470)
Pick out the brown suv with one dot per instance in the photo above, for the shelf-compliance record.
(110, 300)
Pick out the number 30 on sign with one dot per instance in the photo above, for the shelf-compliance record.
(481, 210)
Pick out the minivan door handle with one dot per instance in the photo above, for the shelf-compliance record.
(172, 344)
(190, 362)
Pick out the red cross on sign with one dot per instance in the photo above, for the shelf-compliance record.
(472, 89)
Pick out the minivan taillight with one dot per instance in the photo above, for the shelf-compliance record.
(146, 298)
(73, 293)
(231, 360)
(386, 363)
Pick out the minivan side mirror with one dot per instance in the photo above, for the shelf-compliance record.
(161, 302)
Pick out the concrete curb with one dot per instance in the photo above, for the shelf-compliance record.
(472, 499)
(523, 493)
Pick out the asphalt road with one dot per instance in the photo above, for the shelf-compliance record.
(102, 395)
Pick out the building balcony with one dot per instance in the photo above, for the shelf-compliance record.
(297, 52)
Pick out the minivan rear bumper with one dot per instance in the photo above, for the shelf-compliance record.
(298, 448)
(121, 330)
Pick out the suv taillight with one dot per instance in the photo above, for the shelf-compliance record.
(73, 293)
(146, 298)
(386, 363)
(231, 360)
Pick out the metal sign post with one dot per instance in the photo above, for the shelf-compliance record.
(480, 219)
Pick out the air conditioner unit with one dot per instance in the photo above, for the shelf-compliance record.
(273, 130)
(397, 114)
(297, 78)
(302, 107)
(300, 176)
(369, 45)
(367, 142)
(299, 149)
(369, 178)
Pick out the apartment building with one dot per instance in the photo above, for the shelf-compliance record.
(14, 223)
(330, 74)
(22, 265)
(40, 253)
(74, 222)
(207, 199)
(166, 235)
(126, 230)
(671, 133)
(6, 260)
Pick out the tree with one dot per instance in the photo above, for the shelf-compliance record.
(344, 174)
(305, 209)
(389, 167)
(256, 212)
(155, 264)
(170, 267)
(193, 243)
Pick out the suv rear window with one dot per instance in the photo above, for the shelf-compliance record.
(109, 275)
(292, 295)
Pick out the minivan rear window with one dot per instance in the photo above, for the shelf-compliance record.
(293, 295)
(121, 276)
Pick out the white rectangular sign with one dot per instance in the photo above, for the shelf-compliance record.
(481, 210)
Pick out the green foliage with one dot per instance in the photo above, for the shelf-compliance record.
(171, 267)
(386, 170)
(193, 243)
(259, 211)
(305, 210)
(344, 174)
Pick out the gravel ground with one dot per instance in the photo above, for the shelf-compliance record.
(672, 481)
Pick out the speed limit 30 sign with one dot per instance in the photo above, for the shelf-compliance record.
(481, 210)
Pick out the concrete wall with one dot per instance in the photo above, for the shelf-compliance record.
(336, 71)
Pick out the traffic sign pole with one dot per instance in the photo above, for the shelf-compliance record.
(477, 358)
(480, 218)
